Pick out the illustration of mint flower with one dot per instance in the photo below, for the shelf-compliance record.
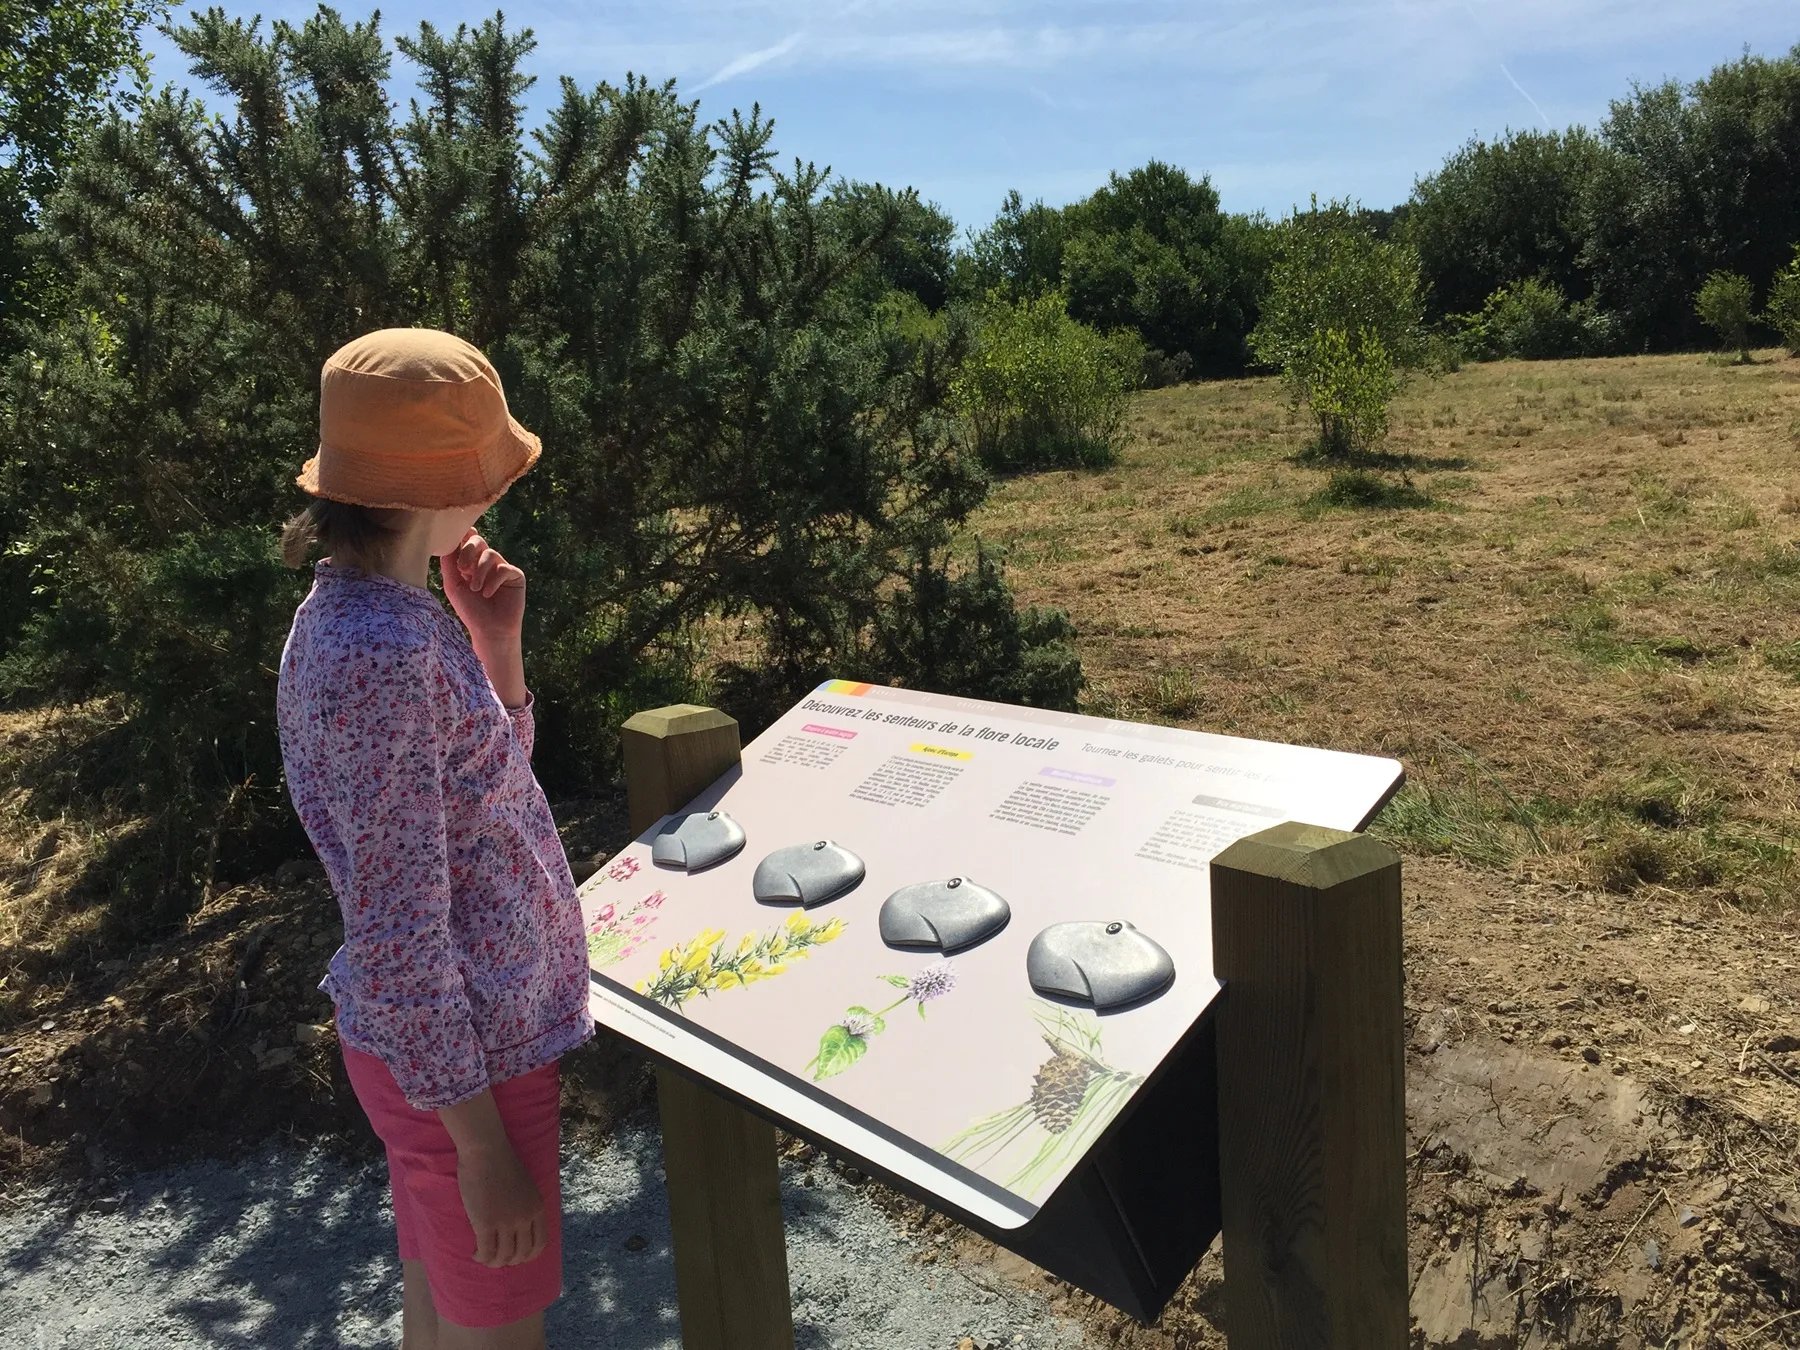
(847, 1040)
(859, 1024)
(932, 982)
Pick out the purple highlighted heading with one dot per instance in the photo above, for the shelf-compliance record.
(1072, 776)
(838, 732)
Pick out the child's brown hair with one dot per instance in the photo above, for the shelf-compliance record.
(362, 532)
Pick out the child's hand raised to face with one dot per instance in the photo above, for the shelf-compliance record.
(488, 594)
(486, 591)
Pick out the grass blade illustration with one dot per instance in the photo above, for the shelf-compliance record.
(1074, 1094)
(704, 964)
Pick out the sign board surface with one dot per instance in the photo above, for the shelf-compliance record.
(949, 1072)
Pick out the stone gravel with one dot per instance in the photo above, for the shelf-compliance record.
(292, 1248)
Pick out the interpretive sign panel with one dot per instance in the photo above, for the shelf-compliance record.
(1035, 874)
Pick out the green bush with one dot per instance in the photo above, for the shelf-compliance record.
(1351, 382)
(959, 632)
(1041, 391)
(1724, 305)
(1342, 318)
(1531, 320)
(1528, 320)
(732, 429)
(1783, 310)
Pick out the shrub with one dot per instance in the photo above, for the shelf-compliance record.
(1160, 371)
(730, 428)
(1724, 306)
(1343, 316)
(1040, 390)
(1783, 310)
(1529, 320)
(1352, 381)
(959, 632)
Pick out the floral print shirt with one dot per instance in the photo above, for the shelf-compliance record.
(463, 962)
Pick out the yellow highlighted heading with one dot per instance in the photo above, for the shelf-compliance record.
(919, 748)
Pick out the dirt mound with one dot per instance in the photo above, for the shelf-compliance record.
(1602, 1140)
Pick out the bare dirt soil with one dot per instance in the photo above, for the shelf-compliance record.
(1565, 596)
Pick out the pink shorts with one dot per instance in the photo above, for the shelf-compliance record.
(428, 1209)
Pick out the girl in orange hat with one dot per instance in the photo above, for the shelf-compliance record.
(407, 738)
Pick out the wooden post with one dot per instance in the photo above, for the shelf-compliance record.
(1312, 1109)
(724, 1185)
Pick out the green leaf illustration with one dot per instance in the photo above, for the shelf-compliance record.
(877, 1023)
(838, 1050)
(898, 981)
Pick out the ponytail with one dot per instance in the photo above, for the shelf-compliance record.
(360, 532)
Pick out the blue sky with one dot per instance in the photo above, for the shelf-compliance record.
(1275, 99)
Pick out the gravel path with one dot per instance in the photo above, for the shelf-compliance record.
(296, 1249)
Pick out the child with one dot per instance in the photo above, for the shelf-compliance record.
(463, 974)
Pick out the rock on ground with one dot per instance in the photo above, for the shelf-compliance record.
(291, 1249)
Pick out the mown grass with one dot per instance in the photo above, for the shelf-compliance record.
(1583, 575)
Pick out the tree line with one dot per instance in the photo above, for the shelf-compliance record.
(1535, 243)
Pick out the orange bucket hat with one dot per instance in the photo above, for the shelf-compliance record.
(414, 418)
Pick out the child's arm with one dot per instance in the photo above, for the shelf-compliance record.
(398, 961)
(504, 1206)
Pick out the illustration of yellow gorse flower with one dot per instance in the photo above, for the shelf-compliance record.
(705, 964)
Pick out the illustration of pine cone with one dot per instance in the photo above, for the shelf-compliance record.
(1059, 1086)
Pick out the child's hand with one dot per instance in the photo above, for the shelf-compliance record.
(486, 591)
(488, 594)
(503, 1205)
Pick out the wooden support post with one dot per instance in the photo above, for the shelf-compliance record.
(1312, 1109)
(724, 1186)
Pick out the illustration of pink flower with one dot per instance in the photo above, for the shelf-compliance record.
(618, 931)
(847, 1040)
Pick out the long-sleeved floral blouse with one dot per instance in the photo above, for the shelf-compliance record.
(463, 961)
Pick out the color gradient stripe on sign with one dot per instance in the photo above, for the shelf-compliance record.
(849, 688)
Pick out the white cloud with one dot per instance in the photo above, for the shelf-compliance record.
(749, 61)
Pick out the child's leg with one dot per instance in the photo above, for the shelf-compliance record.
(471, 1301)
(525, 1334)
(418, 1314)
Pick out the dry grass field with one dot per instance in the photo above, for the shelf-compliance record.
(1566, 597)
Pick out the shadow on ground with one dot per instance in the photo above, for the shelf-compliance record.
(292, 1250)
